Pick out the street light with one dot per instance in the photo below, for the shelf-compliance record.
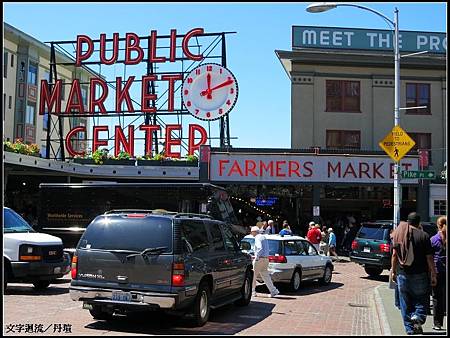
(325, 6)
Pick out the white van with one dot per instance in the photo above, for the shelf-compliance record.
(29, 256)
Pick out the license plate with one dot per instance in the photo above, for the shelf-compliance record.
(57, 269)
(366, 249)
(87, 306)
(121, 296)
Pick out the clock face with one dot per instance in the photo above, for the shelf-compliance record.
(210, 91)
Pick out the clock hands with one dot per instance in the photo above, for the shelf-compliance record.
(209, 90)
(208, 80)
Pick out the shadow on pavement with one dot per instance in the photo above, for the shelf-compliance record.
(381, 278)
(28, 290)
(226, 320)
(306, 288)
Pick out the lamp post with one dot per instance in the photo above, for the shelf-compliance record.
(325, 6)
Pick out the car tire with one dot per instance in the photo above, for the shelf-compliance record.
(201, 307)
(41, 284)
(373, 271)
(327, 275)
(296, 280)
(246, 290)
(99, 314)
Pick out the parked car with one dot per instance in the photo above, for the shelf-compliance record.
(129, 261)
(372, 247)
(29, 256)
(292, 259)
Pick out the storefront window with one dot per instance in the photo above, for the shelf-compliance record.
(344, 139)
(32, 74)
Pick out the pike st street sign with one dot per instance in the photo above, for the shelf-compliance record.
(424, 174)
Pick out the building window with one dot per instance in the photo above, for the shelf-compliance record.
(32, 74)
(343, 96)
(5, 65)
(30, 114)
(423, 141)
(418, 94)
(12, 60)
(344, 139)
(10, 102)
(440, 207)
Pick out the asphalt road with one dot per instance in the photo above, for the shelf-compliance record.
(345, 307)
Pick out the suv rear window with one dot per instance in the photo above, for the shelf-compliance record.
(375, 231)
(121, 233)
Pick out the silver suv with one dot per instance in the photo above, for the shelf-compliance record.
(292, 259)
(129, 261)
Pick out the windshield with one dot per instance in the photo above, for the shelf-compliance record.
(373, 232)
(13, 222)
(133, 234)
(247, 244)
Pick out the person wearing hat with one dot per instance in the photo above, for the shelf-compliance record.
(261, 262)
(412, 266)
(331, 243)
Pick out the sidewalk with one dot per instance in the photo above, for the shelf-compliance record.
(390, 316)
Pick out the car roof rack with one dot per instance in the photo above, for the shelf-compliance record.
(136, 211)
(192, 215)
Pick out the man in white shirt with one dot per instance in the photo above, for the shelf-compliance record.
(261, 262)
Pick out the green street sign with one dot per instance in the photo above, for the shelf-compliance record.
(424, 174)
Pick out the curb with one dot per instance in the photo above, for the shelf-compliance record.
(382, 317)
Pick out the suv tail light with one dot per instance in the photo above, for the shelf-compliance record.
(74, 270)
(277, 259)
(354, 245)
(385, 247)
(178, 274)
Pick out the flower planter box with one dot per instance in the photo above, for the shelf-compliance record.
(167, 163)
(149, 163)
(84, 161)
(119, 162)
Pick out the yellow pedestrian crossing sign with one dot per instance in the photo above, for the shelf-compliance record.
(397, 143)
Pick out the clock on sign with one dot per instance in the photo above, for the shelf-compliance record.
(210, 91)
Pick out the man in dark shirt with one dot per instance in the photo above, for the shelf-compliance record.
(411, 273)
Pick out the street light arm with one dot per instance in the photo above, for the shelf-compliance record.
(368, 9)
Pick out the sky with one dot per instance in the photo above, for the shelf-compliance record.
(261, 117)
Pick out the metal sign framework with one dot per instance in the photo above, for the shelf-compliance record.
(215, 50)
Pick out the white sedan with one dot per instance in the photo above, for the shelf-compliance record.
(292, 259)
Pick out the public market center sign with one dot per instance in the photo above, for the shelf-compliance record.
(367, 39)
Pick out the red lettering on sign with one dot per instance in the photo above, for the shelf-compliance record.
(120, 139)
(185, 44)
(294, 167)
(115, 50)
(307, 165)
(152, 56)
(279, 169)
(264, 167)
(75, 102)
(122, 94)
(173, 45)
(171, 79)
(132, 43)
(55, 97)
(376, 170)
(80, 56)
(332, 169)
(97, 102)
(250, 167)
(221, 166)
(172, 142)
(96, 142)
(365, 170)
(147, 97)
(203, 138)
(149, 129)
(235, 168)
(68, 140)
(350, 170)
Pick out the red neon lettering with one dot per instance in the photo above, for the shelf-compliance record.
(235, 168)
(203, 138)
(79, 52)
(122, 94)
(375, 170)
(250, 169)
(293, 170)
(221, 167)
(264, 167)
(54, 97)
(172, 142)
(75, 102)
(279, 169)
(350, 170)
(68, 140)
(149, 129)
(119, 138)
(333, 169)
(152, 53)
(171, 79)
(185, 44)
(115, 50)
(365, 170)
(307, 165)
(146, 97)
(96, 142)
(173, 44)
(132, 43)
(97, 102)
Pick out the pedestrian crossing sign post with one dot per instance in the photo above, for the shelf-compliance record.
(397, 143)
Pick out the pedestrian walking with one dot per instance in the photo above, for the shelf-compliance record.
(439, 243)
(324, 242)
(286, 229)
(270, 229)
(412, 262)
(315, 236)
(332, 243)
(261, 263)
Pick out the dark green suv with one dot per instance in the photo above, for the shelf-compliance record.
(129, 261)
(372, 247)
